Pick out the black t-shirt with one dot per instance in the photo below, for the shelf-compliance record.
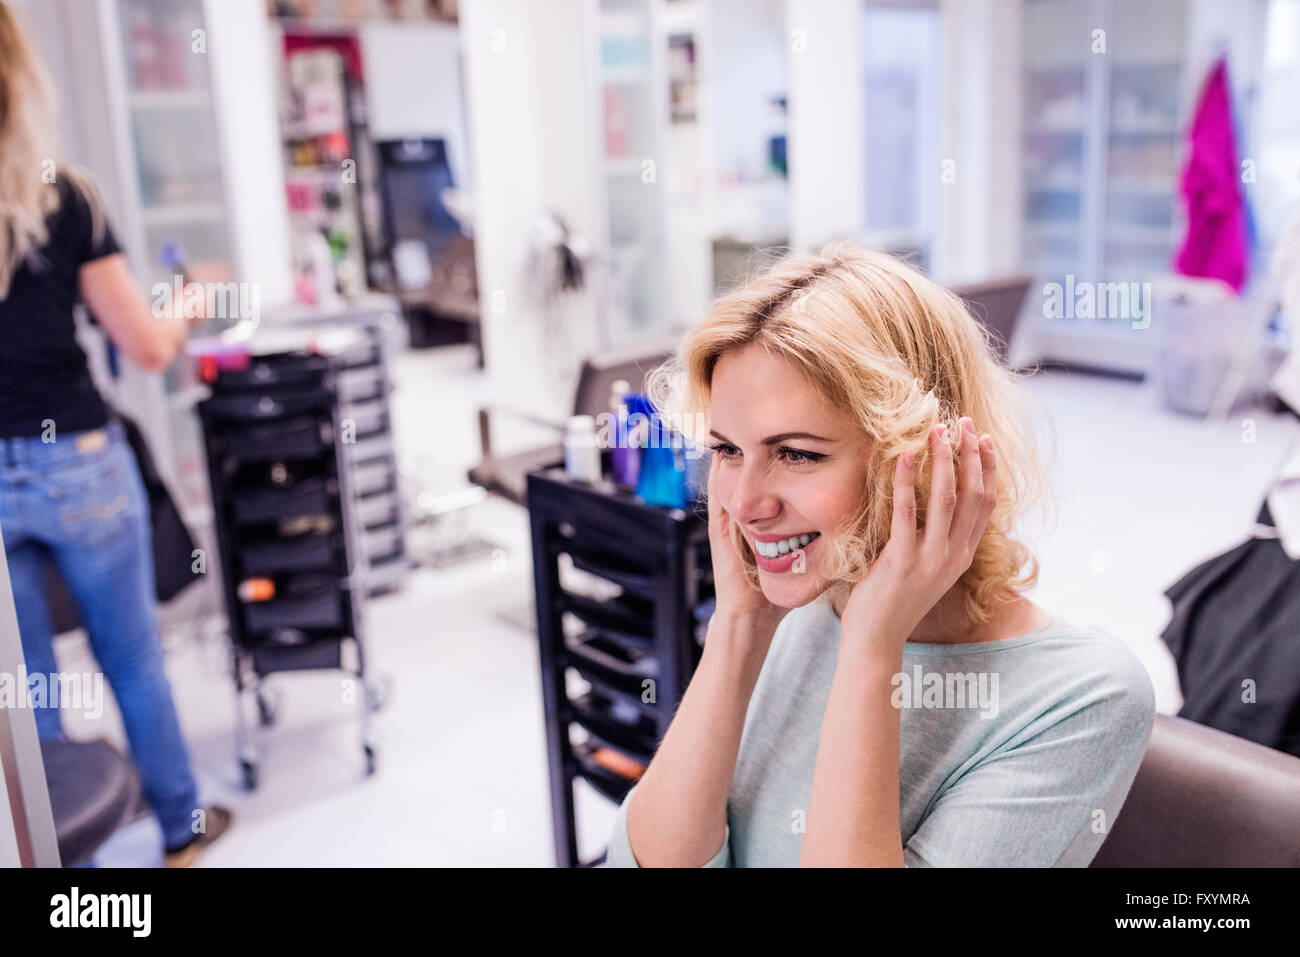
(43, 370)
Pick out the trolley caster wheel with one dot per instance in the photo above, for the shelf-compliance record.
(249, 770)
(376, 693)
(370, 760)
(268, 707)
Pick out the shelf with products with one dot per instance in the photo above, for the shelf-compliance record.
(326, 161)
(683, 78)
(171, 117)
(159, 37)
(615, 659)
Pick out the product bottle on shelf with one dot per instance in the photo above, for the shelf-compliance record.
(662, 478)
(581, 452)
(623, 455)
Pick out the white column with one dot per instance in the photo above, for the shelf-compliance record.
(245, 86)
(531, 113)
(826, 116)
(980, 208)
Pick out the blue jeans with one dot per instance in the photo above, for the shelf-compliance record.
(79, 500)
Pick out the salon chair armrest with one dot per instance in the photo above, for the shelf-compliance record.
(485, 414)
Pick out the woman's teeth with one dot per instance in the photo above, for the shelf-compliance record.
(773, 549)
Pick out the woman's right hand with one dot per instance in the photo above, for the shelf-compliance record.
(737, 598)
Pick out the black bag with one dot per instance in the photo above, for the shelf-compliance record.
(173, 546)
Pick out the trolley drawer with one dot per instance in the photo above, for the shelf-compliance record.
(597, 772)
(253, 505)
(310, 552)
(270, 657)
(261, 404)
(619, 725)
(300, 438)
(623, 619)
(623, 666)
(317, 609)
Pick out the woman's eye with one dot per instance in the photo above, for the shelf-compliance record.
(724, 450)
(800, 457)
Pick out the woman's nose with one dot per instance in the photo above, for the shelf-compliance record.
(752, 500)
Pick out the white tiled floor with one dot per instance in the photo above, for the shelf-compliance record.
(462, 780)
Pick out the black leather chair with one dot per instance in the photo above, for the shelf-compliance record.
(93, 791)
(1203, 798)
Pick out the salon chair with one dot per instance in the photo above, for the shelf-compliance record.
(93, 791)
(1203, 798)
(506, 475)
(997, 303)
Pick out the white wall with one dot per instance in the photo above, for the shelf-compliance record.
(748, 45)
(413, 87)
(980, 213)
(245, 86)
(531, 105)
(826, 143)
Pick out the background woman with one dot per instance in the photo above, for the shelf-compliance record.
(875, 687)
(70, 490)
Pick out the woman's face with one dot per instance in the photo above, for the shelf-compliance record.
(791, 466)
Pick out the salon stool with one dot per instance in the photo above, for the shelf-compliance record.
(93, 790)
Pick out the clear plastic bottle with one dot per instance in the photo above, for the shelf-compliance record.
(581, 452)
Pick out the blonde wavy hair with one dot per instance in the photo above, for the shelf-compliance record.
(899, 353)
(28, 144)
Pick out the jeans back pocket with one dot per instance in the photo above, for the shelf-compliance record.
(93, 496)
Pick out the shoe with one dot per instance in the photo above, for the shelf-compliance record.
(217, 820)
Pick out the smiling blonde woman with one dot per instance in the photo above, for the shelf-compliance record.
(876, 689)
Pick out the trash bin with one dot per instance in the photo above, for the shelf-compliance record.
(1193, 325)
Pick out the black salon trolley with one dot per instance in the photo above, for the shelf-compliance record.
(287, 458)
(644, 632)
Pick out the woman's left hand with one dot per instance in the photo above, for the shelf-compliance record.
(918, 567)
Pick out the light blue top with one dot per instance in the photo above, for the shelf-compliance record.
(1014, 753)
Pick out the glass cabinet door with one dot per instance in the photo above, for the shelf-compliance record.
(1145, 132)
(1056, 125)
(633, 117)
(173, 130)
